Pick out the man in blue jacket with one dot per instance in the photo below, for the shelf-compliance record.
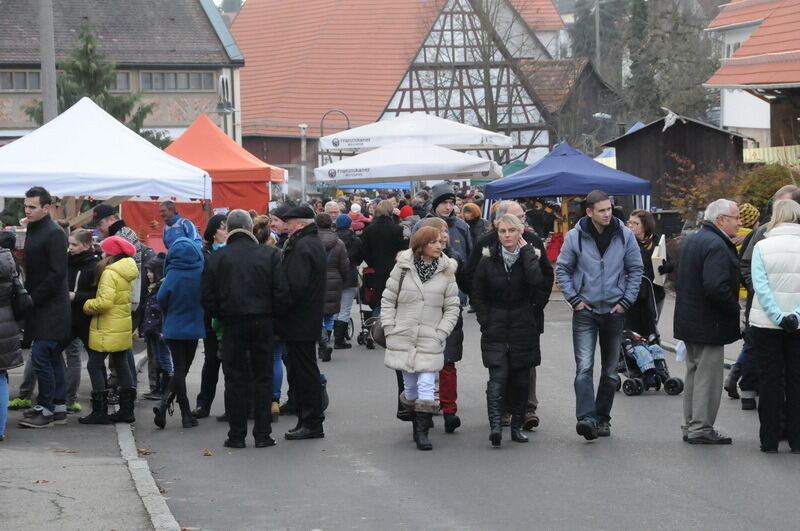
(176, 226)
(599, 271)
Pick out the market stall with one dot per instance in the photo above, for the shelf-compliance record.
(238, 178)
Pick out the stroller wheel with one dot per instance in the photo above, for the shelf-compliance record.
(370, 343)
(639, 386)
(360, 338)
(619, 384)
(351, 327)
(673, 386)
(630, 388)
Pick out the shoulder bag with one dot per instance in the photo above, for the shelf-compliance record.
(376, 329)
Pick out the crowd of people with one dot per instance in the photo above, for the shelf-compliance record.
(275, 291)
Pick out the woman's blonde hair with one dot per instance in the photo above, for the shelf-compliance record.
(784, 211)
(384, 208)
(438, 223)
(83, 236)
(262, 231)
(423, 237)
(510, 219)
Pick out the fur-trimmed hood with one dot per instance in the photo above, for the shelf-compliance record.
(405, 259)
(242, 231)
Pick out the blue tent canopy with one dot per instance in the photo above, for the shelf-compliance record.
(566, 171)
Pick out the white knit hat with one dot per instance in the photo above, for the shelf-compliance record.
(355, 208)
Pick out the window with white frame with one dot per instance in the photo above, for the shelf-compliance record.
(121, 82)
(159, 81)
(20, 81)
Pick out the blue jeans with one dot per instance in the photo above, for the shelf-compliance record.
(49, 368)
(158, 349)
(279, 350)
(748, 363)
(3, 401)
(586, 327)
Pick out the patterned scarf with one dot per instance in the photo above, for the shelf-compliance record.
(426, 271)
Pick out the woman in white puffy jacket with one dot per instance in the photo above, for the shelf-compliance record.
(419, 309)
(774, 325)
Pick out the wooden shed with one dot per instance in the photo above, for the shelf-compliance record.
(650, 152)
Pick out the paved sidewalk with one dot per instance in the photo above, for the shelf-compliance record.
(66, 477)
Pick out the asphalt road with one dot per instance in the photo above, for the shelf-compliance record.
(367, 473)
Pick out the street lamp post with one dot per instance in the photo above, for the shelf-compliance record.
(303, 128)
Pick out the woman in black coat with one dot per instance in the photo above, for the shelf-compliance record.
(81, 272)
(382, 240)
(338, 267)
(10, 350)
(503, 291)
(353, 245)
(643, 315)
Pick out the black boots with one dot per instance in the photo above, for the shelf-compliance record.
(494, 407)
(732, 381)
(324, 349)
(451, 422)
(340, 335)
(422, 422)
(516, 429)
(162, 409)
(99, 414)
(187, 419)
(162, 381)
(127, 396)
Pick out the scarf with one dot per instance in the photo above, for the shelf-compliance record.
(426, 271)
(509, 258)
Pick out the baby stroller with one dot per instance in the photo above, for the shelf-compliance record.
(367, 295)
(644, 366)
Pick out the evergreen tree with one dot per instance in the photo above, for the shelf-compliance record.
(641, 88)
(87, 73)
(583, 41)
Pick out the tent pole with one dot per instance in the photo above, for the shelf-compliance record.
(565, 214)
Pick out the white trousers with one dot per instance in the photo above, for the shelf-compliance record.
(419, 385)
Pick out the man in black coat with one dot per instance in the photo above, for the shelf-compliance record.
(707, 316)
(489, 241)
(305, 263)
(244, 286)
(48, 325)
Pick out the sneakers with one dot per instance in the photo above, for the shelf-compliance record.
(712, 437)
(20, 403)
(37, 419)
(74, 408)
(603, 429)
(586, 429)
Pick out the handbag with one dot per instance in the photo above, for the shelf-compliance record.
(21, 301)
(376, 328)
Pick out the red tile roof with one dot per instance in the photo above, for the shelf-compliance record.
(553, 79)
(539, 14)
(305, 58)
(743, 12)
(771, 56)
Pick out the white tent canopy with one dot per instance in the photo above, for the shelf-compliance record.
(418, 126)
(407, 160)
(87, 152)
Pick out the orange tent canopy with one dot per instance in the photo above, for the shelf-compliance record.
(206, 146)
(238, 178)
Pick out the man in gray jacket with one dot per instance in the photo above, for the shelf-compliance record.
(599, 271)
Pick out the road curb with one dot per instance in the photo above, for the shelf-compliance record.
(159, 513)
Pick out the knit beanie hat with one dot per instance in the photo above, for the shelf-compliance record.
(406, 211)
(748, 215)
(355, 208)
(442, 192)
(114, 245)
(343, 221)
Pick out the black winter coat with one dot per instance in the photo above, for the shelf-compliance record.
(305, 264)
(707, 301)
(81, 272)
(454, 345)
(244, 278)
(10, 350)
(152, 318)
(641, 316)
(542, 296)
(477, 228)
(503, 302)
(337, 271)
(382, 240)
(46, 281)
(353, 245)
